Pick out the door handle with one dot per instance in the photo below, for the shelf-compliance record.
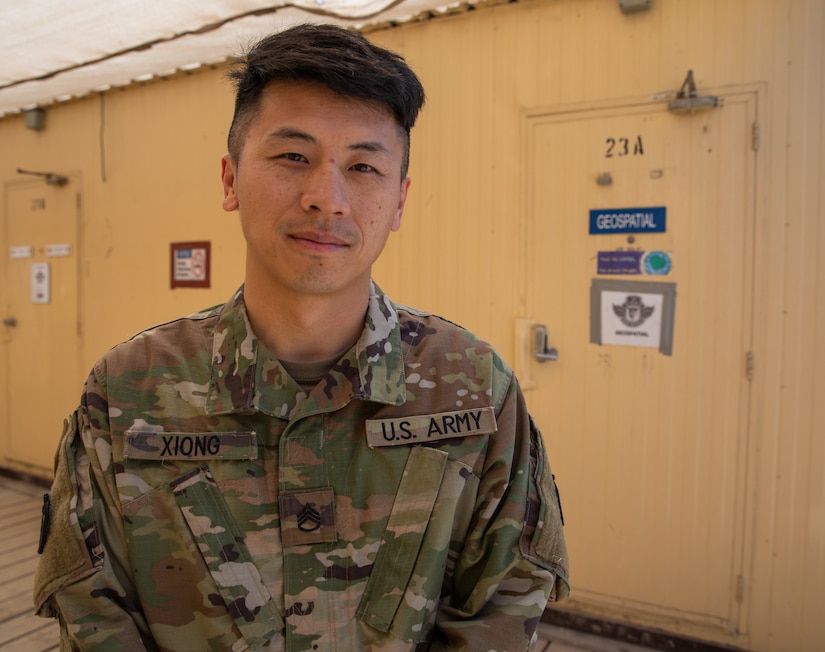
(540, 350)
(9, 321)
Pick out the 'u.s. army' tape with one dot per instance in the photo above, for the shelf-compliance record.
(431, 427)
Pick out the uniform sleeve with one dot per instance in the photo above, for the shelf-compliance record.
(82, 577)
(514, 559)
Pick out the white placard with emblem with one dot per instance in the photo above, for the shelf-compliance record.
(41, 283)
(631, 319)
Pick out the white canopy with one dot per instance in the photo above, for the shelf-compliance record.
(53, 50)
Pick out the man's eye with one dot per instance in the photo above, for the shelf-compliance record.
(363, 167)
(292, 156)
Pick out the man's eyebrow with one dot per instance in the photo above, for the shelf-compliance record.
(370, 146)
(290, 133)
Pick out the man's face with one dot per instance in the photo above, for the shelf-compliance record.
(318, 187)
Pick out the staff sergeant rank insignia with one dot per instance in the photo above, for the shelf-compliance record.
(431, 427)
(308, 517)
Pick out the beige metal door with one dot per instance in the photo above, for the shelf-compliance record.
(40, 318)
(649, 449)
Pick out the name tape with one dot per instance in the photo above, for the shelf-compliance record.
(431, 427)
(191, 446)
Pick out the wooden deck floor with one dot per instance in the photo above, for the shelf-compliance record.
(22, 631)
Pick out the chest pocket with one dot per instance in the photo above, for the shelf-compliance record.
(181, 540)
(407, 579)
(228, 560)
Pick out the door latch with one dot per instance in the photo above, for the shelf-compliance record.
(540, 350)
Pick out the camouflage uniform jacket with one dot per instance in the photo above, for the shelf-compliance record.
(203, 501)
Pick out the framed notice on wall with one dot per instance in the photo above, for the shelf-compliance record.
(190, 263)
(633, 313)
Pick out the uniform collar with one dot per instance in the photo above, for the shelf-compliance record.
(246, 377)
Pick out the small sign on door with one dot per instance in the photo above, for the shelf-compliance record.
(190, 263)
(633, 313)
(22, 251)
(650, 219)
(41, 283)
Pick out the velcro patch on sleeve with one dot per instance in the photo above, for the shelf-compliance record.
(141, 445)
(431, 427)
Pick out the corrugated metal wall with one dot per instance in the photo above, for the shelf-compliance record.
(487, 242)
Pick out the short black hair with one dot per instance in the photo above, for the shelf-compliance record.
(339, 59)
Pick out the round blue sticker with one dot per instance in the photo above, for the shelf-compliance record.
(657, 263)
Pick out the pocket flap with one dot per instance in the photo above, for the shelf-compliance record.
(228, 560)
(417, 493)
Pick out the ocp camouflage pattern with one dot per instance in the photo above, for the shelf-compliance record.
(203, 501)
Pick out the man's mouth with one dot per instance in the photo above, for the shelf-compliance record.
(319, 240)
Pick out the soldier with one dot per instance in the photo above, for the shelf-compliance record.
(309, 466)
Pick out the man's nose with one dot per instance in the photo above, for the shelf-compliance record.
(325, 191)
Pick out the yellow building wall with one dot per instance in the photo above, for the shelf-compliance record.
(145, 162)
(483, 70)
(151, 177)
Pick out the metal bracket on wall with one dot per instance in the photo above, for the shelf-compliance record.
(52, 178)
(688, 101)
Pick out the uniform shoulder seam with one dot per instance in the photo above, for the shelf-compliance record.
(201, 315)
(400, 307)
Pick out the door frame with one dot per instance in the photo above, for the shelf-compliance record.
(747, 500)
(74, 186)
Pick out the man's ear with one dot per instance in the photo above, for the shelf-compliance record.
(402, 201)
(229, 177)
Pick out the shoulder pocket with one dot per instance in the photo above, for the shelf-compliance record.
(542, 539)
(70, 546)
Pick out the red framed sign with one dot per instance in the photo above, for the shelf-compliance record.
(190, 263)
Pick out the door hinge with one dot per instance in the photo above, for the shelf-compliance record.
(749, 363)
(755, 136)
(740, 588)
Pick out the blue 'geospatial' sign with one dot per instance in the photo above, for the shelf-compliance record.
(628, 220)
